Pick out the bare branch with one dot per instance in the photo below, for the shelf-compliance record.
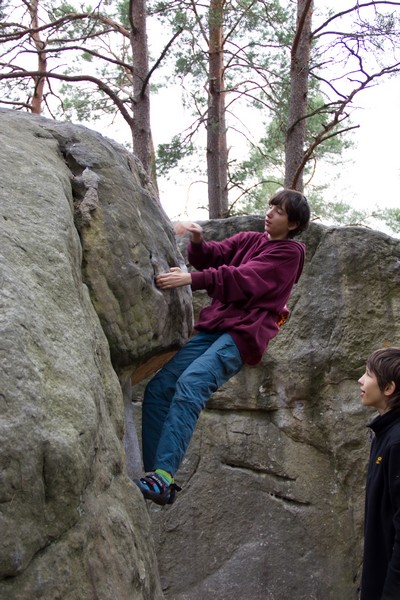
(198, 20)
(94, 53)
(159, 60)
(327, 133)
(98, 82)
(356, 7)
(237, 23)
(19, 104)
(58, 23)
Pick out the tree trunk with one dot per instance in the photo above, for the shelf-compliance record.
(38, 94)
(299, 69)
(217, 151)
(141, 130)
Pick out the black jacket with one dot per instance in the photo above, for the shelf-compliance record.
(381, 568)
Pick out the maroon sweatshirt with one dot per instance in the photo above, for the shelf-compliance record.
(249, 279)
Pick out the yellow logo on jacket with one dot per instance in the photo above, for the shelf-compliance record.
(379, 460)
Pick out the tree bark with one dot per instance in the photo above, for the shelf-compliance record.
(141, 129)
(217, 151)
(299, 70)
(38, 93)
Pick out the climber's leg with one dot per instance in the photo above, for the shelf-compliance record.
(195, 385)
(160, 391)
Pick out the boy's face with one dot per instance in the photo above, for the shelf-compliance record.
(277, 224)
(371, 394)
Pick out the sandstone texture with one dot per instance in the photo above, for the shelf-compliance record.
(273, 484)
(81, 238)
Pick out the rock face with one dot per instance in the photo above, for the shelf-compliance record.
(272, 504)
(273, 498)
(73, 526)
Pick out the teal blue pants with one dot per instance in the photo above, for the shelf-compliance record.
(176, 395)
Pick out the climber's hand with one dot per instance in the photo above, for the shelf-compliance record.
(182, 227)
(175, 278)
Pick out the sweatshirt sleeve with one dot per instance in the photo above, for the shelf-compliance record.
(212, 254)
(266, 276)
(391, 590)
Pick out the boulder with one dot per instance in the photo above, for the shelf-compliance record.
(273, 482)
(82, 235)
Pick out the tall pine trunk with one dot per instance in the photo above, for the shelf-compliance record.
(141, 130)
(299, 69)
(38, 94)
(217, 151)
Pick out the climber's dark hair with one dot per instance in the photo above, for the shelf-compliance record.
(385, 365)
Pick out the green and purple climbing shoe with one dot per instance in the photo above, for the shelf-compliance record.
(155, 487)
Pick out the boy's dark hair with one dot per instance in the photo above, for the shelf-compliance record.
(385, 365)
(296, 206)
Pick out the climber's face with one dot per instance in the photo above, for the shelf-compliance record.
(277, 224)
(372, 395)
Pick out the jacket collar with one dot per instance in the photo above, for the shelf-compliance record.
(382, 423)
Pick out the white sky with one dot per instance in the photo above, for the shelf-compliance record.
(369, 176)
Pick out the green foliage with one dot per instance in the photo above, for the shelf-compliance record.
(84, 105)
(193, 65)
(256, 38)
(338, 213)
(168, 155)
(390, 216)
(57, 12)
(257, 57)
(123, 13)
(262, 172)
(252, 30)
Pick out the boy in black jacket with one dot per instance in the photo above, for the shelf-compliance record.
(380, 388)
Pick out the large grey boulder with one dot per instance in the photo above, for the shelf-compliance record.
(273, 483)
(81, 238)
(272, 504)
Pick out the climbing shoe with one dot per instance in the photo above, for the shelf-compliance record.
(154, 487)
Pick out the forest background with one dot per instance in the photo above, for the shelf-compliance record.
(219, 87)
